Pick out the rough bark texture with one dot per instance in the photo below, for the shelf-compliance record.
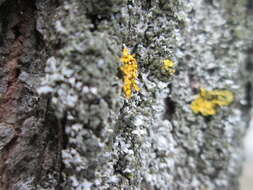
(29, 153)
(105, 141)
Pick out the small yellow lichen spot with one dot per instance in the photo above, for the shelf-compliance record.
(129, 69)
(168, 66)
(207, 101)
(200, 105)
(222, 97)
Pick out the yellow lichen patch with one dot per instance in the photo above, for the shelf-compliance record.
(200, 105)
(168, 66)
(129, 69)
(222, 97)
(207, 101)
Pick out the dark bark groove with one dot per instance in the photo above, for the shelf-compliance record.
(29, 151)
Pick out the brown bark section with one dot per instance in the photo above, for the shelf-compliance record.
(19, 28)
(29, 149)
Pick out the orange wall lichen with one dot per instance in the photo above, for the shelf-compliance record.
(129, 69)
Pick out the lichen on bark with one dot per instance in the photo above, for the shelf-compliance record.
(153, 140)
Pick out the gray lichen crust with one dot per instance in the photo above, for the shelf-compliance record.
(153, 140)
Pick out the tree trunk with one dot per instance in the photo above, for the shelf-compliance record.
(65, 122)
(29, 151)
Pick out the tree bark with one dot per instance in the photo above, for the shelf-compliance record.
(65, 122)
(29, 151)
